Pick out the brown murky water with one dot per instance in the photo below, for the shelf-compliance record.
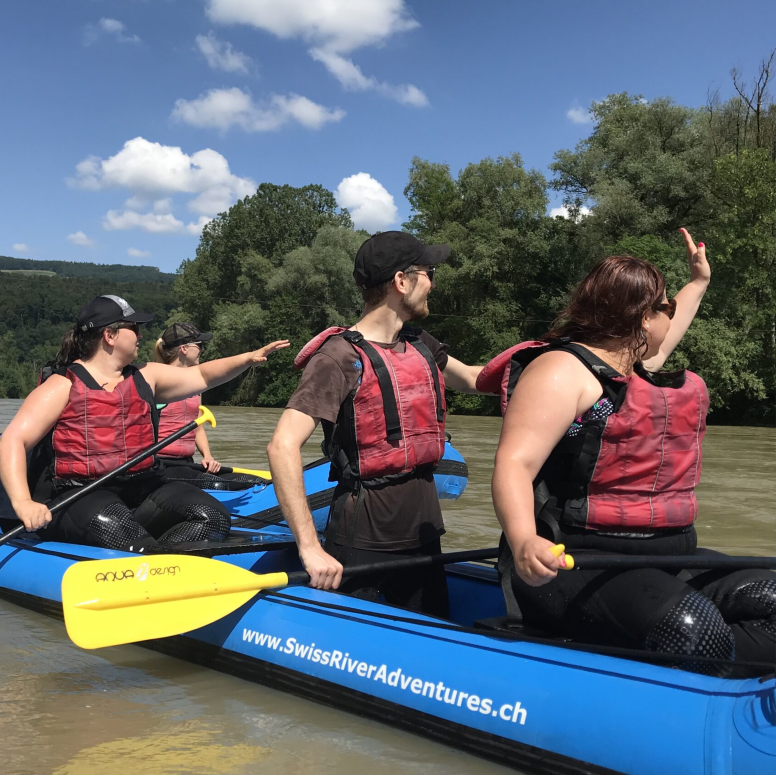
(130, 710)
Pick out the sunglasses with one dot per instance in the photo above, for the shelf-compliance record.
(429, 273)
(133, 327)
(200, 345)
(668, 307)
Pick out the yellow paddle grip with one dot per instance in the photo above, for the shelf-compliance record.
(205, 416)
(556, 550)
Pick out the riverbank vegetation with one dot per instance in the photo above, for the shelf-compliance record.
(279, 263)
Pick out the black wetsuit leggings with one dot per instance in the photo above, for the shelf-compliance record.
(138, 512)
(721, 614)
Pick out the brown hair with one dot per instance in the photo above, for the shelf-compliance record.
(77, 344)
(610, 304)
(164, 353)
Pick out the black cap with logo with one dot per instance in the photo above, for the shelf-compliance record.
(387, 253)
(104, 310)
(184, 334)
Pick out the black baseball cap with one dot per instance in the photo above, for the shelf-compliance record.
(387, 253)
(107, 309)
(184, 334)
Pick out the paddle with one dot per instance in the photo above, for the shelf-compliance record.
(206, 416)
(261, 474)
(668, 562)
(123, 600)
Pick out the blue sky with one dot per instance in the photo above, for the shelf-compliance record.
(128, 123)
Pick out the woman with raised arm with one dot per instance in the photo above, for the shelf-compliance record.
(181, 345)
(600, 451)
(95, 410)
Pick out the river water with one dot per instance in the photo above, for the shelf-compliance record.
(129, 710)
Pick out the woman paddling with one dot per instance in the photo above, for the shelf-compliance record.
(599, 452)
(94, 412)
(181, 345)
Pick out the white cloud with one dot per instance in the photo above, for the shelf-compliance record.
(138, 254)
(563, 212)
(79, 238)
(20, 247)
(149, 170)
(196, 227)
(221, 56)
(331, 29)
(350, 76)
(110, 27)
(579, 115)
(149, 222)
(370, 205)
(226, 108)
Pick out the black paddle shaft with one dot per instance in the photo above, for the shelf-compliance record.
(66, 502)
(399, 564)
(671, 562)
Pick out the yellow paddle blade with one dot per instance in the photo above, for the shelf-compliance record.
(123, 600)
(255, 472)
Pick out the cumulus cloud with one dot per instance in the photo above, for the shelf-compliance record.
(155, 223)
(579, 115)
(112, 28)
(563, 212)
(370, 205)
(221, 56)
(153, 173)
(21, 247)
(138, 254)
(226, 108)
(332, 30)
(79, 238)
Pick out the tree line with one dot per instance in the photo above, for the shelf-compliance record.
(279, 263)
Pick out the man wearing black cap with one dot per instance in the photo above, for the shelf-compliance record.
(378, 390)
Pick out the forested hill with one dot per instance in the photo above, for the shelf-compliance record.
(119, 273)
(38, 306)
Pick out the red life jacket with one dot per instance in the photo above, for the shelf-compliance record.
(394, 421)
(635, 470)
(99, 430)
(174, 415)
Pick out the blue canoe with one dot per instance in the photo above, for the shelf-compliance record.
(538, 705)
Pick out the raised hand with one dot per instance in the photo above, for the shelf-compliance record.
(260, 355)
(700, 270)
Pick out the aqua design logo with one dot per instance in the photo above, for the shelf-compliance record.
(142, 572)
(114, 576)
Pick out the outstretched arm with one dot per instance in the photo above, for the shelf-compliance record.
(172, 384)
(461, 377)
(688, 301)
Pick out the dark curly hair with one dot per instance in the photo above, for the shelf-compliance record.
(610, 304)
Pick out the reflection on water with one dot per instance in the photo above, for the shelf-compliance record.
(129, 710)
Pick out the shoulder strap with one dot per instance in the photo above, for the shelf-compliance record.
(145, 393)
(82, 373)
(415, 341)
(392, 421)
(599, 368)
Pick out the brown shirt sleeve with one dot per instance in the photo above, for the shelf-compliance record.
(330, 375)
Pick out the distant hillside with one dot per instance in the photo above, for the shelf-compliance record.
(115, 273)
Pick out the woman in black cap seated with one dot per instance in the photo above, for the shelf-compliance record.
(181, 345)
(93, 411)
